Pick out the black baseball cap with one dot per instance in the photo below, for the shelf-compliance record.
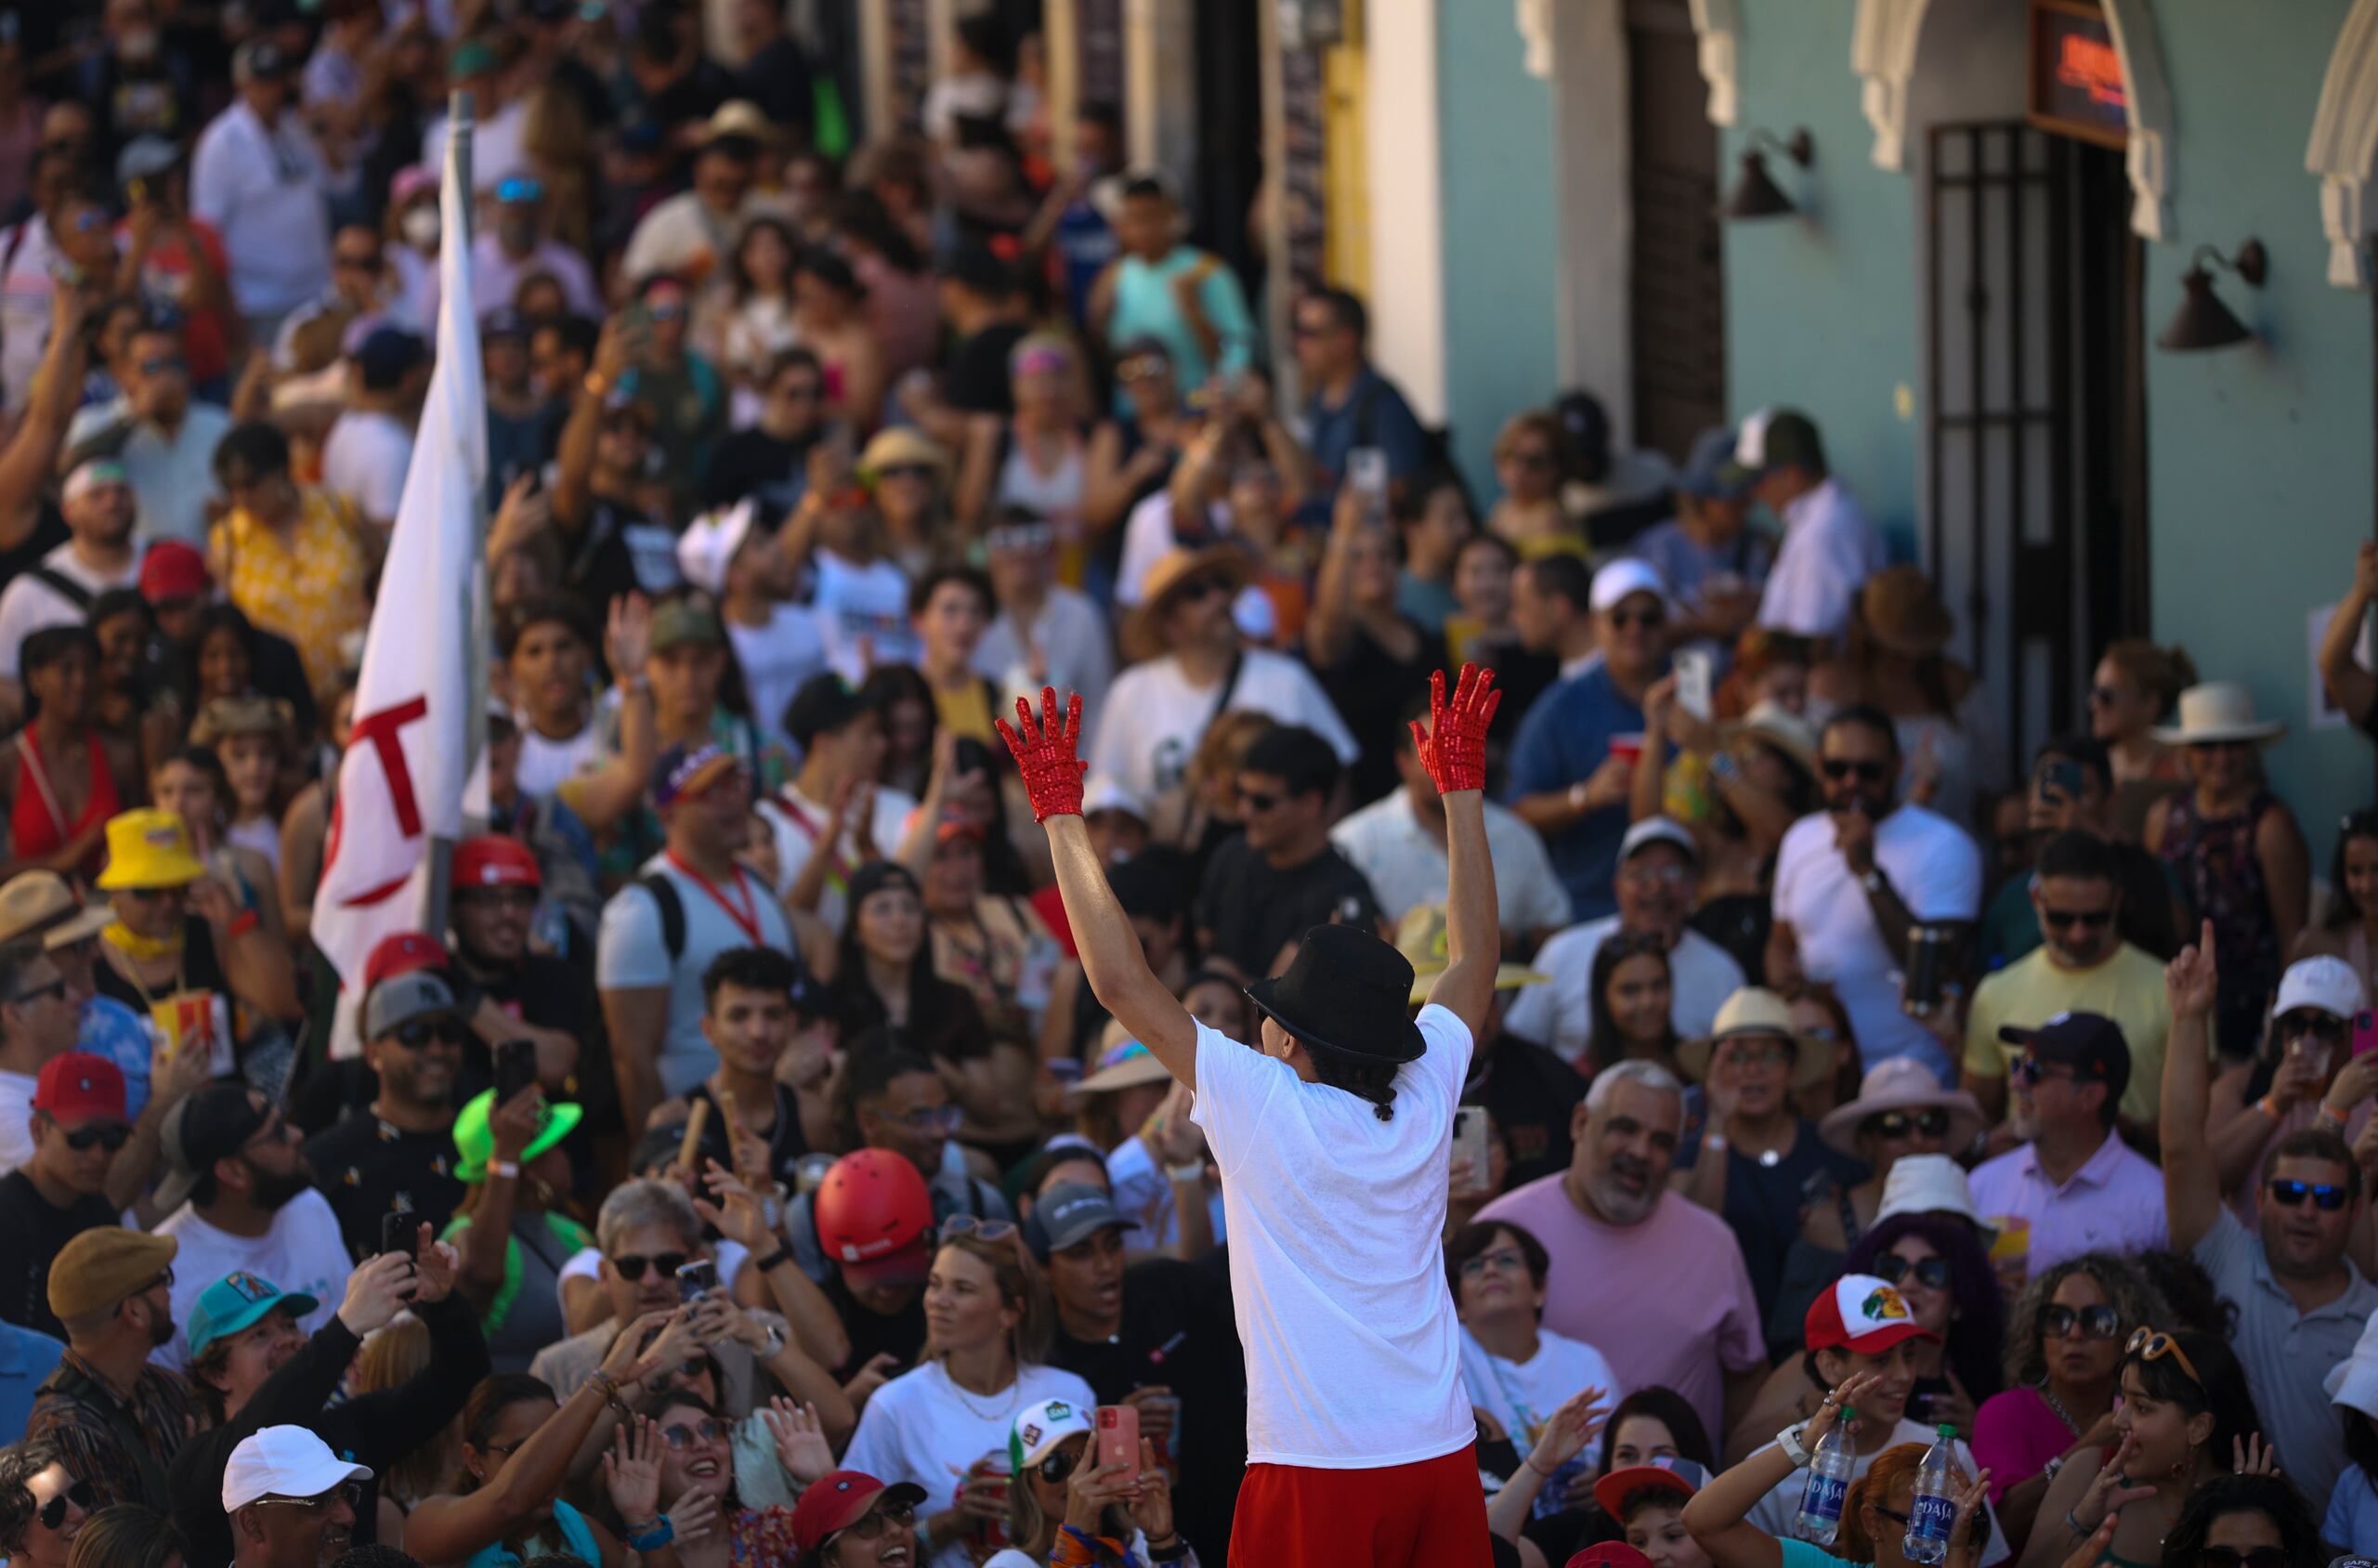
(213, 1124)
(2090, 1043)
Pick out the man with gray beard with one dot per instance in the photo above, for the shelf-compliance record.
(1652, 1281)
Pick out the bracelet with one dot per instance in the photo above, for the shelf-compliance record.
(775, 1259)
(775, 1344)
(2268, 1109)
(1529, 1460)
(508, 1169)
(2074, 1524)
(1175, 1550)
(242, 923)
(1794, 1449)
(2328, 1113)
(659, 1535)
(1189, 1171)
(1714, 1142)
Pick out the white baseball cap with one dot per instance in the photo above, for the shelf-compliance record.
(1657, 830)
(1106, 793)
(2323, 982)
(283, 1462)
(1626, 575)
(1039, 1427)
(707, 547)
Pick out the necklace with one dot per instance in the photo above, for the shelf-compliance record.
(1003, 1413)
(2048, 1394)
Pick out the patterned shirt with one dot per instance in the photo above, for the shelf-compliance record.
(121, 1449)
(308, 587)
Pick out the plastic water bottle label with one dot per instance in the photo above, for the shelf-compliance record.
(1824, 1496)
(1932, 1517)
(1553, 1498)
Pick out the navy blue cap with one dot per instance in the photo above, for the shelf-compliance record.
(387, 356)
(1709, 472)
(503, 321)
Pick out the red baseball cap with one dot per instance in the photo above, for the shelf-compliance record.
(840, 1501)
(79, 1087)
(401, 954)
(172, 570)
(1609, 1554)
(495, 861)
(1861, 1314)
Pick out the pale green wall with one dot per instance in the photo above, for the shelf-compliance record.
(1501, 243)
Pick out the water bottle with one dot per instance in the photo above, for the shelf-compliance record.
(1828, 1485)
(1935, 1512)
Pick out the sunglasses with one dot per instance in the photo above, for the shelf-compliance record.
(2096, 1323)
(1503, 1258)
(1258, 801)
(2153, 1344)
(1057, 1466)
(347, 1492)
(631, 1266)
(2090, 920)
(799, 391)
(164, 364)
(2291, 1195)
(943, 1119)
(1143, 367)
(1864, 772)
(111, 1135)
(422, 1035)
(519, 191)
(521, 898)
(982, 1230)
(1204, 587)
(1758, 1052)
(2206, 746)
(1655, 876)
(2230, 1557)
(357, 262)
(1930, 1273)
(685, 1437)
(874, 1525)
(2031, 1071)
(1643, 620)
(1932, 1121)
(905, 471)
(39, 993)
(53, 1512)
(2304, 1021)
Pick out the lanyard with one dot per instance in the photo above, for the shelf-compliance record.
(836, 867)
(749, 924)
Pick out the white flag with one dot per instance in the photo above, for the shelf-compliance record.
(400, 783)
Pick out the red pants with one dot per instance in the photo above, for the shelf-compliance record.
(1426, 1515)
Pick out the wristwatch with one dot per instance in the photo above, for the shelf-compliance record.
(1873, 880)
(1794, 1449)
(1577, 795)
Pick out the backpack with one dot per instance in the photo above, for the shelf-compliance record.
(672, 912)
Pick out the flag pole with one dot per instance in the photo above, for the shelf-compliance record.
(439, 885)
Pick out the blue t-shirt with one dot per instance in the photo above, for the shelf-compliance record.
(1563, 738)
(107, 1027)
(1374, 415)
(1684, 563)
(26, 1361)
(2353, 1509)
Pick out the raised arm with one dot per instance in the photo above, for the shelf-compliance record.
(1718, 1515)
(2352, 687)
(1110, 949)
(2191, 1184)
(1453, 749)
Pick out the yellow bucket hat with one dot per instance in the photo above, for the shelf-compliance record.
(148, 848)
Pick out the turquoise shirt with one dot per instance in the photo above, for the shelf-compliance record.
(576, 1538)
(1146, 306)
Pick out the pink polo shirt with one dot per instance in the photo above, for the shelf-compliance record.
(2114, 1203)
(1666, 1301)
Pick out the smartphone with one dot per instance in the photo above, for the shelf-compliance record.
(1928, 969)
(696, 1279)
(402, 1232)
(515, 1068)
(1366, 474)
(1696, 671)
(2365, 1033)
(1119, 1437)
(2060, 780)
(1469, 1141)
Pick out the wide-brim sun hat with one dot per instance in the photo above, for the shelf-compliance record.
(1901, 1083)
(2218, 711)
(1756, 1011)
(1421, 937)
(1770, 723)
(1904, 612)
(1144, 628)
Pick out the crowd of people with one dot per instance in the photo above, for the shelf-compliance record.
(835, 1126)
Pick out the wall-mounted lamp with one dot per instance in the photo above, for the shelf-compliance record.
(2203, 322)
(1756, 194)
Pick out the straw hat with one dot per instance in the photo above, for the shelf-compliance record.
(1756, 1010)
(227, 717)
(33, 901)
(1770, 723)
(148, 848)
(1901, 1083)
(1420, 938)
(1904, 612)
(902, 446)
(2218, 711)
(1123, 1063)
(1143, 630)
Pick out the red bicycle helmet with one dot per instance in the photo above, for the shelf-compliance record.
(875, 1219)
(494, 860)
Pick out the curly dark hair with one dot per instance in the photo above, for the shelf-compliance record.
(18, 1466)
(2273, 1497)
(1979, 1327)
(2127, 1288)
(2217, 1389)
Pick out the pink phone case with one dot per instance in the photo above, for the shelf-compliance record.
(1118, 1436)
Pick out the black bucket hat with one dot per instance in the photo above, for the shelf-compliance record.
(1347, 991)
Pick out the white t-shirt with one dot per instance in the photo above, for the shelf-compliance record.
(796, 820)
(1149, 537)
(497, 149)
(1523, 1394)
(1405, 864)
(15, 1120)
(262, 190)
(365, 460)
(776, 658)
(1075, 646)
(1936, 872)
(1143, 1194)
(1154, 718)
(544, 764)
(631, 953)
(924, 1428)
(28, 285)
(302, 1253)
(1829, 551)
(1775, 1513)
(1560, 1014)
(29, 604)
(1337, 1271)
(863, 610)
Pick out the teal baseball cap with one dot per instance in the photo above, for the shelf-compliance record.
(238, 1300)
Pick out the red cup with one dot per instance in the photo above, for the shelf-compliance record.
(1628, 747)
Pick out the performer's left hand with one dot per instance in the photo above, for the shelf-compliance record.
(1453, 748)
(1044, 754)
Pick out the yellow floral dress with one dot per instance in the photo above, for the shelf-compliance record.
(308, 587)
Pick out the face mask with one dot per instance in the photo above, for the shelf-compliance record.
(141, 44)
(420, 228)
(519, 234)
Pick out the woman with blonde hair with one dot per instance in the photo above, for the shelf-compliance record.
(2136, 686)
(395, 1355)
(251, 736)
(1036, 458)
(1530, 518)
(945, 1426)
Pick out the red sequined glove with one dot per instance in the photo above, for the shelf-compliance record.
(1454, 746)
(1044, 754)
